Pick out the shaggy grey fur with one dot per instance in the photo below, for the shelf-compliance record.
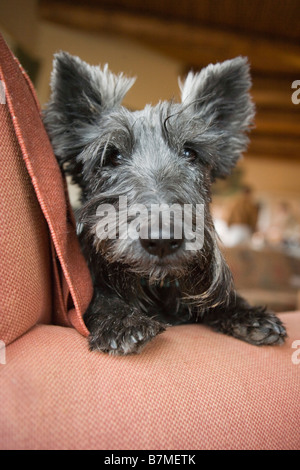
(164, 154)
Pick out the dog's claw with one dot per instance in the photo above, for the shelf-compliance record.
(267, 331)
(139, 335)
(113, 344)
(124, 335)
(133, 339)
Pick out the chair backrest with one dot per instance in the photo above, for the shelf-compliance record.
(43, 275)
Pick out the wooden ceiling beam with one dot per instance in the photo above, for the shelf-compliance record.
(274, 93)
(274, 146)
(274, 64)
(283, 124)
(188, 43)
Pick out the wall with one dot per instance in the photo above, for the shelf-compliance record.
(19, 18)
(156, 75)
(273, 176)
(157, 79)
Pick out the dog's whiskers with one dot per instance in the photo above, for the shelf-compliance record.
(153, 268)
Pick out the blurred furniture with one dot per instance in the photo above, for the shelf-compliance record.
(266, 276)
(190, 388)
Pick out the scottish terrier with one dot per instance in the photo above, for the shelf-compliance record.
(164, 155)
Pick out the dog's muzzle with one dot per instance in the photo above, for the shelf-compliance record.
(162, 243)
(161, 247)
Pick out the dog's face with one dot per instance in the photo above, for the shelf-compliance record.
(163, 157)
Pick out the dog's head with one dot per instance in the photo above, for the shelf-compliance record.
(163, 155)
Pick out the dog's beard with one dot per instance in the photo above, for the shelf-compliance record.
(203, 276)
(136, 260)
(115, 247)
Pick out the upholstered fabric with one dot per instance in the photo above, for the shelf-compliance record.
(265, 269)
(25, 274)
(35, 218)
(265, 276)
(190, 388)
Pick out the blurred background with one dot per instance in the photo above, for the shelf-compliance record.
(257, 210)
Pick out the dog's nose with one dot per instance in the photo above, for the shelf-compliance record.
(161, 247)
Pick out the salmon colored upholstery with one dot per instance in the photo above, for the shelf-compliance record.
(35, 218)
(190, 388)
(25, 274)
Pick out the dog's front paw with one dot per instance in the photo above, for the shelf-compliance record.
(122, 335)
(267, 330)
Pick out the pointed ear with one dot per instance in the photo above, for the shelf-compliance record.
(219, 96)
(80, 94)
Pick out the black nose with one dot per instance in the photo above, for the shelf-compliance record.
(161, 247)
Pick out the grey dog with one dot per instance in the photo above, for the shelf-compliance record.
(164, 154)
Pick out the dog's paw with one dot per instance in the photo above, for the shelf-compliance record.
(267, 330)
(124, 335)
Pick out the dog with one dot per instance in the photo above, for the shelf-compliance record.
(168, 154)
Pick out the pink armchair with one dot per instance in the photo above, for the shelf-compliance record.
(190, 388)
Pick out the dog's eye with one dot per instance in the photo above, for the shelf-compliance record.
(113, 157)
(189, 154)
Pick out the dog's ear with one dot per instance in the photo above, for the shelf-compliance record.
(80, 93)
(219, 95)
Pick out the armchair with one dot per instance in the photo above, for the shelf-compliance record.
(190, 388)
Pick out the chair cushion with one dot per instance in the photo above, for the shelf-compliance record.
(190, 388)
(35, 217)
(25, 269)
